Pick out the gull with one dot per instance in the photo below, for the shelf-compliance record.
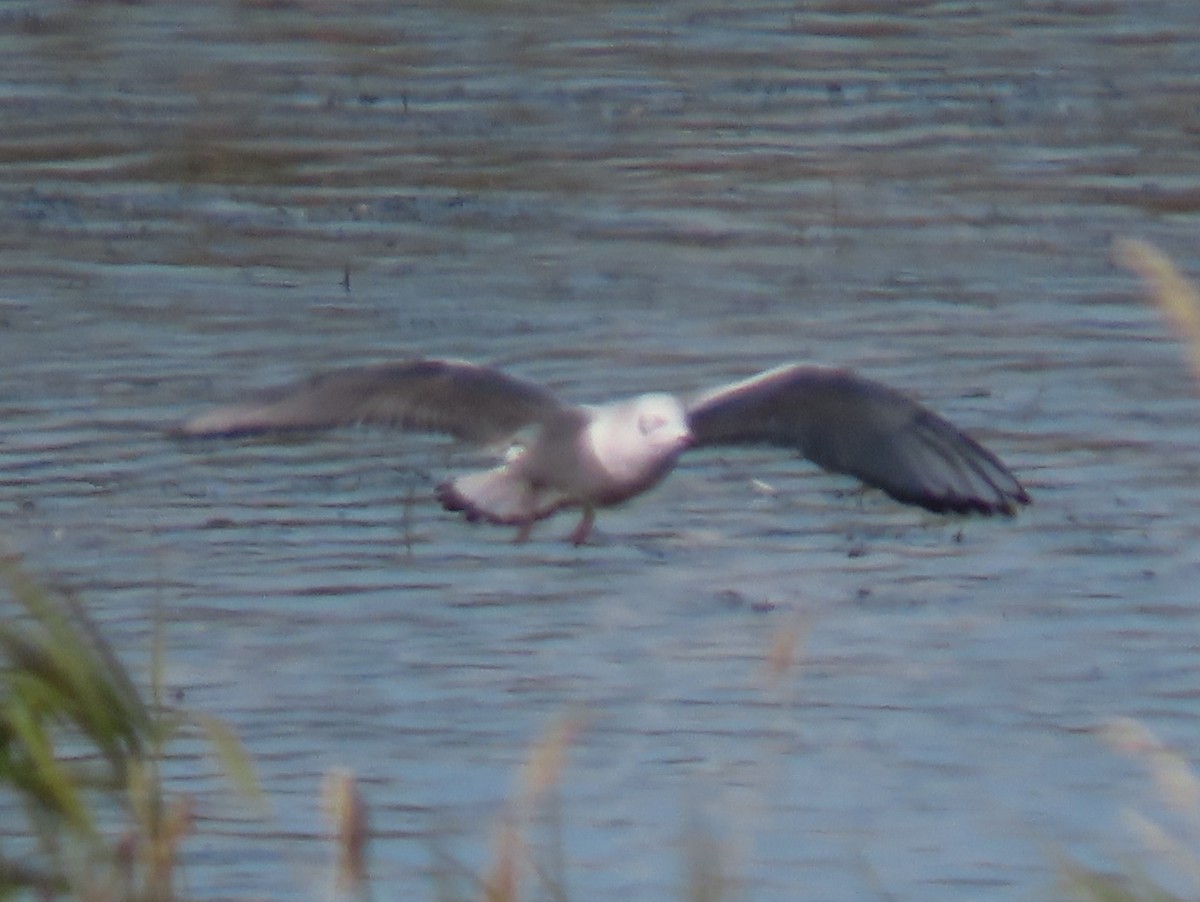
(562, 455)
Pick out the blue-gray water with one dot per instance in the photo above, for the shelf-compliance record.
(607, 199)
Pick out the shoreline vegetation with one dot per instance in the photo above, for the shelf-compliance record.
(81, 747)
(80, 753)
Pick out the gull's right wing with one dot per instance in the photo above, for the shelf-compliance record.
(470, 402)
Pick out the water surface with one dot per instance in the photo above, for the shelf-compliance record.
(200, 199)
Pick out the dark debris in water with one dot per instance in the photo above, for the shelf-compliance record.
(733, 599)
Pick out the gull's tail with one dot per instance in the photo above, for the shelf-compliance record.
(499, 496)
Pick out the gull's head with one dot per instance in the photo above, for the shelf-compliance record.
(636, 442)
(661, 422)
(644, 433)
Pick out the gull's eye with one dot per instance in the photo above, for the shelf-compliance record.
(651, 422)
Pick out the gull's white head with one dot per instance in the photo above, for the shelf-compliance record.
(661, 422)
(637, 442)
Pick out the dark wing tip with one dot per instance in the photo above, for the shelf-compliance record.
(1006, 502)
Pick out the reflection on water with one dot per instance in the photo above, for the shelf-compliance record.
(198, 199)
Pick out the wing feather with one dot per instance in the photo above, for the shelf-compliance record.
(848, 424)
(470, 402)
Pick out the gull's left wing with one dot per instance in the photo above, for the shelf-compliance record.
(470, 402)
(848, 424)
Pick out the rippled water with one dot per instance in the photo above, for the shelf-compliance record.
(198, 199)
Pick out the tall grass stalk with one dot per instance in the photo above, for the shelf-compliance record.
(1178, 300)
(80, 749)
(349, 827)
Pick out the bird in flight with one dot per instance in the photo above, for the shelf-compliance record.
(562, 455)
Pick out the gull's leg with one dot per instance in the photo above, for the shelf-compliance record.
(524, 532)
(580, 533)
(530, 509)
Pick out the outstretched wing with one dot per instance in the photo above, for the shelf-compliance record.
(470, 402)
(848, 424)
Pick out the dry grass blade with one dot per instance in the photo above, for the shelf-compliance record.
(1093, 886)
(1174, 294)
(706, 866)
(349, 824)
(512, 855)
(502, 882)
(1180, 790)
(546, 760)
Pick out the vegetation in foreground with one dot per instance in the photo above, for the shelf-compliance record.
(80, 749)
(1178, 300)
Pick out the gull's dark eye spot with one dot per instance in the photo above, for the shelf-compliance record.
(651, 422)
